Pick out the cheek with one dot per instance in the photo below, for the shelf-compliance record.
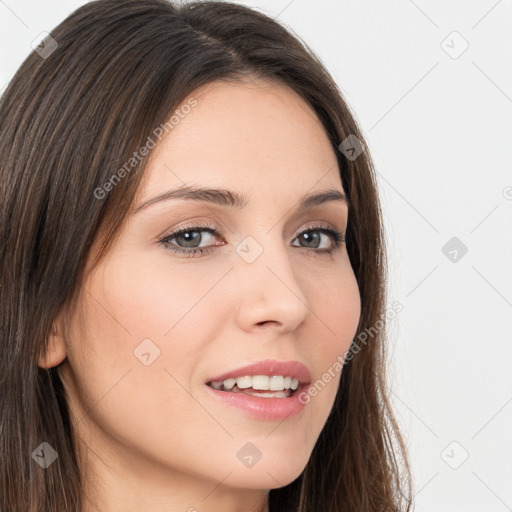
(118, 397)
(341, 306)
(137, 324)
(336, 306)
(159, 297)
(151, 315)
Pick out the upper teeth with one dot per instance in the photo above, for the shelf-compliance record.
(273, 383)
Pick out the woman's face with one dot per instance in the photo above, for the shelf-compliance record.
(157, 325)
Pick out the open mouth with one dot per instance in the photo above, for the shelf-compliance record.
(261, 393)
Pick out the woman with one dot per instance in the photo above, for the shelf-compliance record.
(193, 257)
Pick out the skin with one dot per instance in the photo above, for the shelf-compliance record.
(151, 437)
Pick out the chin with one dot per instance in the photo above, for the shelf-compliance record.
(269, 474)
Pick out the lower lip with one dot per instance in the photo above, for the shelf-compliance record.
(262, 408)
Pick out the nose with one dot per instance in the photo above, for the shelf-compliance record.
(269, 291)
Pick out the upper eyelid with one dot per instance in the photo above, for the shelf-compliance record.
(337, 211)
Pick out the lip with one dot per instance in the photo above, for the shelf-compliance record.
(269, 367)
(268, 409)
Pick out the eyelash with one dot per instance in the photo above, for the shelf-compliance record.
(336, 237)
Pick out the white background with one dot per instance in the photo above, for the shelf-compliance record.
(439, 129)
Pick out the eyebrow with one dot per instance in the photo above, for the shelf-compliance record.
(224, 197)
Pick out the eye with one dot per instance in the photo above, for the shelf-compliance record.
(187, 240)
(315, 236)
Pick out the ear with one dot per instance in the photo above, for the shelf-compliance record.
(56, 352)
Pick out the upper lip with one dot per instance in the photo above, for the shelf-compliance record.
(268, 367)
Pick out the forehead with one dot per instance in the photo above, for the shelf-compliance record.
(255, 135)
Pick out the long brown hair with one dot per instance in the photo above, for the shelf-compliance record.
(74, 113)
